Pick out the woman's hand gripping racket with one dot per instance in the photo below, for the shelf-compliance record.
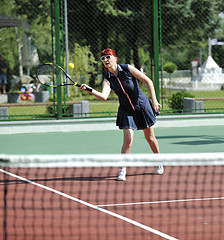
(52, 75)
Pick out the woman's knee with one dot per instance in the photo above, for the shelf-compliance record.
(151, 139)
(128, 137)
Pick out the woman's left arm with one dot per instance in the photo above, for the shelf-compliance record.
(142, 77)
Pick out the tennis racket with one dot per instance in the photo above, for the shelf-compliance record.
(52, 75)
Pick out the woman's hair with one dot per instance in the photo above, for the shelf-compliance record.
(108, 51)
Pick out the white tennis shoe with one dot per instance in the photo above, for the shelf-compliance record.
(122, 174)
(159, 170)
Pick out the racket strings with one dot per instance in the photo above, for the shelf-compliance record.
(51, 75)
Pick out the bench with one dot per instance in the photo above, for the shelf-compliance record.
(210, 99)
(196, 105)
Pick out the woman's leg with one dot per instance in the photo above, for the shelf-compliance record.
(126, 149)
(128, 135)
(153, 143)
(151, 139)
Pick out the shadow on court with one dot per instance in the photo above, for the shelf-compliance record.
(73, 179)
(200, 140)
(171, 140)
(191, 139)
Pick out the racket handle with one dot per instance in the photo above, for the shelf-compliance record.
(87, 88)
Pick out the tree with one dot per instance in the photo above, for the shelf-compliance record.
(187, 25)
(126, 27)
(84, 62)
(8, 43)
(170, 68)
(188, 19)
(38, 15)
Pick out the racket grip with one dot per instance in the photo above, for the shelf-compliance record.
(87, 88)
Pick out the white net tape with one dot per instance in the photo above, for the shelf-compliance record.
(112, 160)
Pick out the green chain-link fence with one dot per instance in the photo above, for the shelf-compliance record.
(180, 42)
(193, 51)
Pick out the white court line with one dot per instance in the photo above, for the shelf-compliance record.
(167, 201)
(149, 229)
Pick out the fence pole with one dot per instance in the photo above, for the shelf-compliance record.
(156, 48)
(58, 55)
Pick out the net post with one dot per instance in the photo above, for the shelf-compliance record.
(156, 48)
(5, 206)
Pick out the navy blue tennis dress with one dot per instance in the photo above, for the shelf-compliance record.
(135, 110)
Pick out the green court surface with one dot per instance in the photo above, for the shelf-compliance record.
(171, 140)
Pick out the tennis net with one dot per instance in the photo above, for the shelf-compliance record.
(77, 197)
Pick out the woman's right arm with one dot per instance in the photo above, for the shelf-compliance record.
(101, 95)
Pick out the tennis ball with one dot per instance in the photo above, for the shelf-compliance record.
(71, 66)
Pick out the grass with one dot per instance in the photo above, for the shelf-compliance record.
(96, 108)
(109, 108)
(209, 106)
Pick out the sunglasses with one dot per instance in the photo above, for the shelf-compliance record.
(103, 58)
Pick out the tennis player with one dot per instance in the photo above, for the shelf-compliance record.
(136, 111)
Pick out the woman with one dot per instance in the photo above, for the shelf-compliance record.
(136, 111)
